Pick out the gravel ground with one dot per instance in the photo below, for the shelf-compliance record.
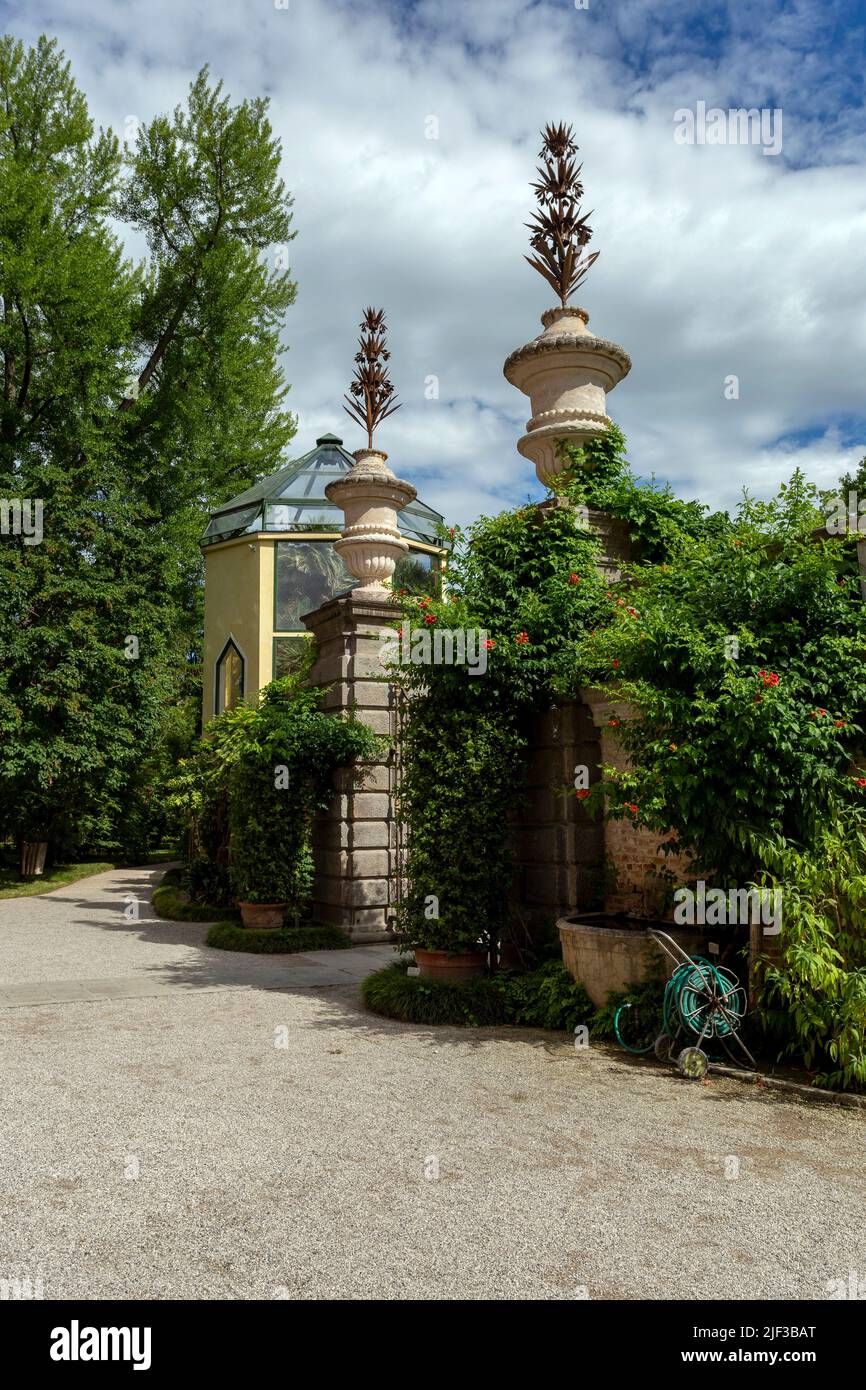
(222, 1127)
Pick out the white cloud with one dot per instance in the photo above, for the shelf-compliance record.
(715, 260)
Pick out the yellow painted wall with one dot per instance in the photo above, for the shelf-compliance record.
(239, 577)
(239, 603)
(267, 562)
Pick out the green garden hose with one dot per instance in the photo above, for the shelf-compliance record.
(699, 997)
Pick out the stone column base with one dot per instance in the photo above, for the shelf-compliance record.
(355, 848)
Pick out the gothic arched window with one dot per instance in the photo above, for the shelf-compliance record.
(229, 678)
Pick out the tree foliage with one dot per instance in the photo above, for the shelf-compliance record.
(744, 661)
(131, 399)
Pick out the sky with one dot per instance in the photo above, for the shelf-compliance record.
(410, 131)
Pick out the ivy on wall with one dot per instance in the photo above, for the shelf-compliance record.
(247, 797)
(528, 579)
(741, 644)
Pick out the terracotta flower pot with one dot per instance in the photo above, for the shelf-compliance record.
(439, 965)
(265, 916)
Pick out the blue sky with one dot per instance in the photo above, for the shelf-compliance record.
(716, 260)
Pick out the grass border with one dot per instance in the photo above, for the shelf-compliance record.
(228, 936)
(63, 875)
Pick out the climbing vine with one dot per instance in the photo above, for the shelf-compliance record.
(740, 644)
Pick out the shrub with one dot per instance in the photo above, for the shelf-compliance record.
(395, 994)
(248, 795)
(544, 998)
(171, 903)
(227, 937)
(208, 882)
(599, 477)
(547, 998)
(282, 776)
(465, 735)
(815, 1000)
(455, 796)
(735, 754)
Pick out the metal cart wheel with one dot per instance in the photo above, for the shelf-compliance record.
(693, 1063)
(664, 1046)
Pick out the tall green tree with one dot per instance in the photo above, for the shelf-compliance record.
(132, 398)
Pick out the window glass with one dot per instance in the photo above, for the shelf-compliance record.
(308, 574)
(416, 572)
(230, 679)
(289, 655)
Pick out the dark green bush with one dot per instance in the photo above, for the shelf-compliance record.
(246, 798)
(412, 1000)
(225, 936)
(544, 998)
(170, 901)
(547, 998)
(208, 882)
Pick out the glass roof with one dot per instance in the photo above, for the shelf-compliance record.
(293, 499)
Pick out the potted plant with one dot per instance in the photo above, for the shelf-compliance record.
(443, 950)
(443, 965)
(281, 761)
(456, 792)
(263, 916)
(450, 942)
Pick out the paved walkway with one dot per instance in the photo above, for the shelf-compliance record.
(177, 1122)
(100, 939)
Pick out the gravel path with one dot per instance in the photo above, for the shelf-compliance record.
(193, 1124)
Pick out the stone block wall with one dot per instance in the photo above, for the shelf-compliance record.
(559, 847)
(355, 846)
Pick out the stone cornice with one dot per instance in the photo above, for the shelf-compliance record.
(369, 483)
(583, 343)
(355, 606)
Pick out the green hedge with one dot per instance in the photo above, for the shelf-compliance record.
(544, 998)
(228, 937)
(171, 902)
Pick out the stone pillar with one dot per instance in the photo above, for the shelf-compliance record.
(559, 848)
(355, 841)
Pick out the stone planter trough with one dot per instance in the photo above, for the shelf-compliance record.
(608, 953)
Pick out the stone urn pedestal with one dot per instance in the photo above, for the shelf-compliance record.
(355, 844)
(370, 497)
(566, 372)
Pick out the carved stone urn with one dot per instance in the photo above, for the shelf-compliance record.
(370, 497)
(566, 372)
